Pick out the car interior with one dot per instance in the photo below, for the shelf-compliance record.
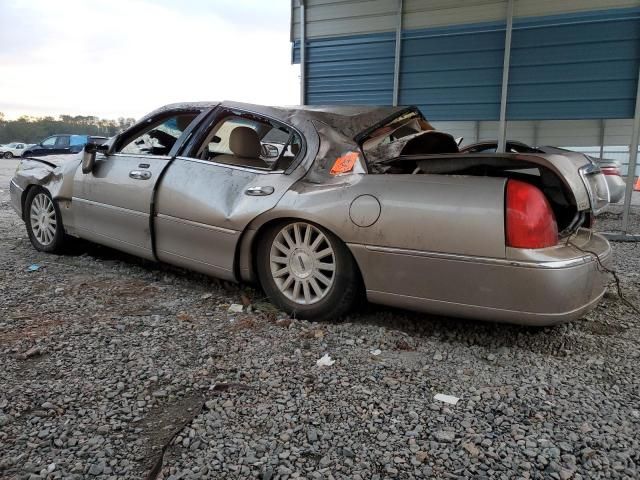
(250, 142)
(159, 138)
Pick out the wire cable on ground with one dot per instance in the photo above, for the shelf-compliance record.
(613, 273)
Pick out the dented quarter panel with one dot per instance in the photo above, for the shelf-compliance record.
(418, 212)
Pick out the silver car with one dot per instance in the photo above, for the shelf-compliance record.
(323, 206)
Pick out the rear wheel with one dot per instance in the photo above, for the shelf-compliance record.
(8, 155)
(43, 220)
(307, 271)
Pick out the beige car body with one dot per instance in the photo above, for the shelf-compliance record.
(433, 243)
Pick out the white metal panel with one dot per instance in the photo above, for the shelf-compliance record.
(326, 18)
(561, 133)
(436, 13)
(465, 130)
(618, 131)
(533, 8)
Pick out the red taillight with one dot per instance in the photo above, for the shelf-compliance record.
(530, 222)
(610, 171)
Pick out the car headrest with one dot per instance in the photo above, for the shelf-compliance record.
(244, 142)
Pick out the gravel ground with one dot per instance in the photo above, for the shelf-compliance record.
(106, 359)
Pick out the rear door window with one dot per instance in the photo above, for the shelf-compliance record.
(247, 140)
(77, 140)
(62, 141)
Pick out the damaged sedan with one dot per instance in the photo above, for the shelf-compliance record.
(326, 206)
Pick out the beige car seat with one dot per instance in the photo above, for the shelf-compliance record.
(245, 145)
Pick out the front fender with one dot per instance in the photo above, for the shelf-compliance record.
(53, 173)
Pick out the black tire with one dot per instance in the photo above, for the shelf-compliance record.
(58, 237)
(339, 299)
(8, 155)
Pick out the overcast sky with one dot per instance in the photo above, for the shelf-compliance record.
(124, 58)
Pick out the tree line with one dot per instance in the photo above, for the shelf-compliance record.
(30, 129)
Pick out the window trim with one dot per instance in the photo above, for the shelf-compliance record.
(232, 167)
(212, 119)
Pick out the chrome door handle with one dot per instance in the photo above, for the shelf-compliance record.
(140, 174)
(259, 191)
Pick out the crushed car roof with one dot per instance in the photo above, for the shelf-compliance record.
(350, 120)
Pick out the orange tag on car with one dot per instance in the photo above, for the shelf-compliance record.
(344, 163)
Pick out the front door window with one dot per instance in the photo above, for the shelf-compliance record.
(158, 138)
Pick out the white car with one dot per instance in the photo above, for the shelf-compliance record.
(13, 149)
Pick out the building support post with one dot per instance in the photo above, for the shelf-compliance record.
(502, 130)
(633, 157)
(303, 55)
(396, 64)
(601, 139)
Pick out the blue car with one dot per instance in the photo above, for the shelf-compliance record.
(61, 144)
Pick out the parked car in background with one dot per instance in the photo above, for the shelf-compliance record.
(326, 205)
(610, 168)
(61, 144)
(13, 149)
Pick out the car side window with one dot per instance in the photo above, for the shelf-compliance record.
(159, 137)
(78, 140)
(49, 142)
(62, 141)
(250, 141)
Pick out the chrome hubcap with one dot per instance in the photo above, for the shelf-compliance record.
(43, 218)
(302, 263)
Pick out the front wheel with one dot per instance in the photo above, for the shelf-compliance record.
(43, 220)
(307, 271)
(8, 155)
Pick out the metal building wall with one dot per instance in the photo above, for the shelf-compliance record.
(563, 66)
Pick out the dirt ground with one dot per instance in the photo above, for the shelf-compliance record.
(108, 361)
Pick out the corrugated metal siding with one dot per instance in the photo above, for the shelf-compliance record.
(421, 14)
(327, 18)
(350, 70)
(453, 73)
(534, 8)
(575, 66)
(562, 67)
(562, 133)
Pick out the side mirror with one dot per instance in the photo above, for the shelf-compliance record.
(89, 156)
(269, 151)
(88, 161)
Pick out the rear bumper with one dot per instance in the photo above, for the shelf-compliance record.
(540, 288)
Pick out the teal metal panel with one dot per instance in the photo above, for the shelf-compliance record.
(570, 66)
(453, 73)
(349, 70)
(575, 66)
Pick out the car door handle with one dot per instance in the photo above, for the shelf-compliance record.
(259, 191)
(140, 174)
